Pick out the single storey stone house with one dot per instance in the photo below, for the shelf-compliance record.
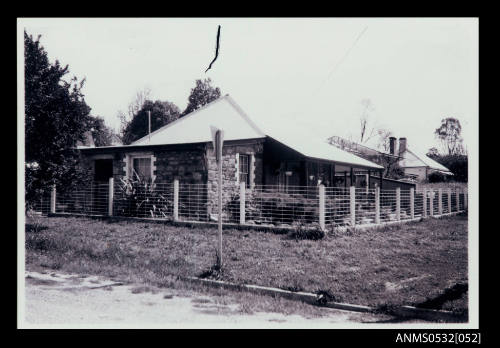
(183, 150)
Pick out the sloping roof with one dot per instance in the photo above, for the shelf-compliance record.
(222, 113)
(317, 149)
(225, 114)
(413, 158)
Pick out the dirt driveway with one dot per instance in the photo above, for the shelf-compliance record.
(70, 300)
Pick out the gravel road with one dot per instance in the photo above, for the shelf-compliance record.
(71, 300)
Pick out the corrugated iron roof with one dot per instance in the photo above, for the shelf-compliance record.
(222, 113)
(225, 113)
(417, 159)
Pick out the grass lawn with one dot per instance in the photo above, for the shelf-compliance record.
(406, 264)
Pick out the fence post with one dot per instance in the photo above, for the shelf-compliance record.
(440, 201)
(449, 200)
(431, 202)
(412, 203)
(176, 200)
(398, 204)
(322, 207)
(466, 199)
(424, 199)
(457, 193)
(53, 200)
(377, 205)
(242, 202)
(110, 196)
(353, 205)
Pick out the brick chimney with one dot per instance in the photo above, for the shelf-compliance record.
(392, 145)
(402, 145)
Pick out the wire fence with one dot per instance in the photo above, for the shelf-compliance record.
(338, 206)
(264, 205)
(92, 200)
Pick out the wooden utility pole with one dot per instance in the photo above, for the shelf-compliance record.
(149, 125)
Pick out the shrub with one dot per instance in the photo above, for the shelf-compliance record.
(140, 198)
(301, 232)
(436, 177)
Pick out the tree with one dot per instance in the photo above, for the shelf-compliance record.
(162, 113)
(102, 134)
(202, 94)
(367, 130)
(457, 164)
(56, 117)
(449, 134)
(433, 153)
(383, 139)
(133, 108)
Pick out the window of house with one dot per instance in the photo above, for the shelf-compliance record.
(142, 167)
(244, 169)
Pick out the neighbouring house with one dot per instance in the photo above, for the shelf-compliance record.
(183, 150)
(400, 159)
(414, 164)
(389, 160)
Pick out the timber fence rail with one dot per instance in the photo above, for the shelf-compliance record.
(264, 205)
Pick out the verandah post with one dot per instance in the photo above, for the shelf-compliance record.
(466, 199)
(398, 203)
(377, 205)
(110, 196)
(242, 202)
(412, 203)
(431, 203)
(176, 200)
(353, 204)
(457, 193)
(424, 208)
(322, 206)
(449, 200)
(53, 200)
(440, 201)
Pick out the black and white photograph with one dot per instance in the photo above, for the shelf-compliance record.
(267, 173)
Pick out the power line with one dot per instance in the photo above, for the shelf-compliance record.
(339, 62)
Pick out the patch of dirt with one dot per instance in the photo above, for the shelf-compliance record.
(36, 281)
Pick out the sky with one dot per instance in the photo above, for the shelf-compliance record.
(306, 76)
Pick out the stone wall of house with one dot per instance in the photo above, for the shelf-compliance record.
(194, 166)
(230, 180)
(188, 166)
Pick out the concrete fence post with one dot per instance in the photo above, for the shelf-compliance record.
(322, 207)
(424, 200)
(449, 200)
(242, 202)
(377, 205)
(431, 202)
(111, 193)
(53, 200)
(457, 193)
(398, 204)
(412, 203)
(176, 200)
(353, 205)
(440, 201)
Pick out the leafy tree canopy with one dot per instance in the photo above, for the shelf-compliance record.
(449, 133)
(202, 94)
(162, 113)
(102, 134)
(56, 117)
